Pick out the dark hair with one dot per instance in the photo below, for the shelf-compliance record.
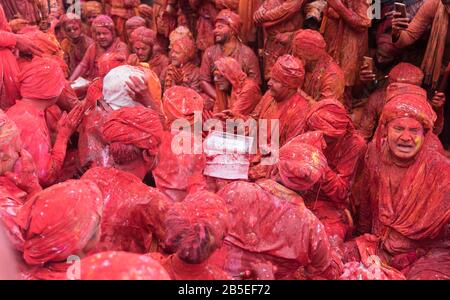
(122, 153)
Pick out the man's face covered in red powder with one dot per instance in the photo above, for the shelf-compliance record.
(405, 137)
(73, 30)
(142, 50)
(104, 37)
(222, 33)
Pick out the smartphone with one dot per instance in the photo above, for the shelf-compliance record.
(368, 61)
(401, 8)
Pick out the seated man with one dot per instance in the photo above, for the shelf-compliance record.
(58, 222)
(329, 199)
(239, 94)
(105, 42)
(195, 230)
(76, 43)
(133, 213)
(272, 235)
(324, 78)
(143, 42)
(42, 82)
(227, 44)
(282, 102)
(174, 169)
(405, 196)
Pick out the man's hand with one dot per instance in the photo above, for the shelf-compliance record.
(366, 75)
(398, 24)
(69, 122)
(438, 100)
(26, 46)
(138, 87)
(25, 175)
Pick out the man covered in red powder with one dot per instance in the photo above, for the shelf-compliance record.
(41, 83)
(89, 11)
(133, 212)
(284, 103)
(227, 44)
(195, 230)
(174, 168)
(405, 201)
(272, 235)
(279, 19)
(237, 92)
(121, 11)
(9, 69)
(329, 198)
(182, 70)
(401, 73)
(58, 222)
(105, 42)
(207, 13)
(143, 41)
(324, 78)
(76, 43)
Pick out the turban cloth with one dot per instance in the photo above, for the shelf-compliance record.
(144, 35)
(289, 70)
(109, 61)
(92, 6)
(186, 46)
(181, 102)
(60, 221)
(135, 21)
(406, 73)
(70, 18)
(309, 40)
(8, 129)
(231, 19)
(396, 89)
(103, 21)
(118, 265)
(201, 209)
(46, 42)
(137, 126)
(231, 69)
(178, 33)
(330, 117)
(409, 103)
(301, 161)
(41, 79)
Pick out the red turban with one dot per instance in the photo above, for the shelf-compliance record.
(135, 21)
(231, 19)
(69, 18)
(308, 39)
(92, 6)
(103, 21)
(231, 69)
(396, 89)
(181, 102)
(137, 126)
(117, 265)
(301, 161)
(406, 73)
(60, 221)
(186, 46)
(201, 215)
(144, 35)
(46, 42)
(289, 70)
(330, 117)
(409, 103)
(41, 79)
(109, 61)
(178, 33)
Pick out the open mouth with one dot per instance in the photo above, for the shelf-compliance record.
(405, 148)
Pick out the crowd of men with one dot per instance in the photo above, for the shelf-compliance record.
(91, 99)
